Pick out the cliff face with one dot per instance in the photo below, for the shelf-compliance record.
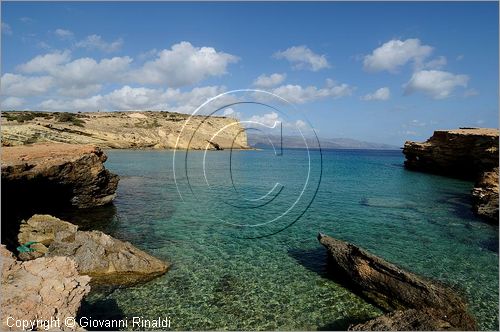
(48, 177)
(470, 154)
(462, 153)
(122, 130)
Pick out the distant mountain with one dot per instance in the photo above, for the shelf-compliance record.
(262, 141)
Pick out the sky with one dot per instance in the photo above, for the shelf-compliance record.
(381, 72)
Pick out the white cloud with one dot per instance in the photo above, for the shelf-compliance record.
(436, 63)
(6, 29)
(12, 102)
(93, 42)
(301, 57)
(63, 34)
(269, 119)
(80, 77)
(438, 84)
(264, 81)
(130, 98)
(300, 95)
(184, 64)
(470, 93)
(19, 85)
(45, 63)
(396, 53)
(381, 94)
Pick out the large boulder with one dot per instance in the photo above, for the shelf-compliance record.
(104, 258)
(41, 289)
(392, 288)
(425, 319)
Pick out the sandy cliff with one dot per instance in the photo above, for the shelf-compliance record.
(467, 153)
(122, 130)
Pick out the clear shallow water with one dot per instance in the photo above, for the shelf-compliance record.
(220, 279)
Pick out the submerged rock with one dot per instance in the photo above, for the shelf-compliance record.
(57, 175)
(104, 258)
(43, 288)
(466, 153)
(389, 286)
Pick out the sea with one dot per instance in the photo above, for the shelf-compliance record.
(239, 229)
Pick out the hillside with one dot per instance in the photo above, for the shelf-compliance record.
(121, 130)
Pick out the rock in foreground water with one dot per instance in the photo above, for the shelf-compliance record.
(393, 288)
(485, 195)
(44, 288)
(104, 258)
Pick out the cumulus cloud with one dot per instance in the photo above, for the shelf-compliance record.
(436, 63)
(396, 53)
(132, 98)
(80, 77)
(435, 83)
(14, 85)
(301, 57)
(381, 94)
(95, 42)
(184, 64)
(470, 93)
(63, 33)
(300, 95)
(264, 81)
(12, 102)
(6, 29)
(269, 119)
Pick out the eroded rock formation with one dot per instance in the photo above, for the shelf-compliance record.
(40, 289)
(466, 153)
(71, 174)
(104, 258)
(393, 288)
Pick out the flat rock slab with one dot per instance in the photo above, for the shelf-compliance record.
(104, 258)
(43, 288)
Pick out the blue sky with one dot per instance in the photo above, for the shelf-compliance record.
(381, 72)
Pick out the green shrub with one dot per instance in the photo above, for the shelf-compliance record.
(69, 117)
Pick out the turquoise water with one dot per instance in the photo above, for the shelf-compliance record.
(222, 277)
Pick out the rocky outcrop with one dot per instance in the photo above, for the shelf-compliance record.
(104, 258)
(389, 286)
(485, 195)
(466, 153)
(123, 130)
(67, 174)
(42, 289)
(462, 153)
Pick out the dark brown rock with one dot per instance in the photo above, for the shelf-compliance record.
(68, 174)
(426, 319)
(104, 258)
(391, 287)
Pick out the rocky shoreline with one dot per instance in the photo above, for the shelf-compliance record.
(465, 153)
(412, 302)
(56, 263)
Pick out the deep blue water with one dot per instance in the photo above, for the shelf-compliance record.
(229, 273)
